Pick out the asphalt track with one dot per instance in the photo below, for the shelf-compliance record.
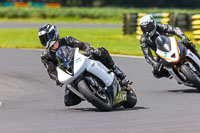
(31, 103)
(59, 25)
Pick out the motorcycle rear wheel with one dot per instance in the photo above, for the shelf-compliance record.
(191, 76)
(131, 99)
(101, 102)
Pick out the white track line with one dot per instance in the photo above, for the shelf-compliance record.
(0, 103)
(115, 55)
(127, 56)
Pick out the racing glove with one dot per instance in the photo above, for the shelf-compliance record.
(188, 44)
(185, 40)
(89, 50)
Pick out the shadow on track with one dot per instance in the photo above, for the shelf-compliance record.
(117, 109)
(185, 91)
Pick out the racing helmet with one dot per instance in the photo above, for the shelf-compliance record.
(148, 25)
(48, 35)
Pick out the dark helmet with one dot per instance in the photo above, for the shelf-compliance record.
(48, 35)
(148, 25)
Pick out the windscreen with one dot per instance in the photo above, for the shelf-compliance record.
(65, 57)
(163, 43)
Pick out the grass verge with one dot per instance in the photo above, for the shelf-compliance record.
(111, 39)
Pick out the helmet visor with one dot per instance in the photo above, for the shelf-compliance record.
(148, 28)
(44, 39)
(47, 37)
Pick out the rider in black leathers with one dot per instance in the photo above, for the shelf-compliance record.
(151, 31)
(49, 38)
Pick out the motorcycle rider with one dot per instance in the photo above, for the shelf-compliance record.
(151, 31)
(49, 38)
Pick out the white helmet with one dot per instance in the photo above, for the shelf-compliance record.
(148, 25)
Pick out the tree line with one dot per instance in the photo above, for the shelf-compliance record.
(122, 3)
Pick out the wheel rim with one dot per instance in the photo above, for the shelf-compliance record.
(101, 96)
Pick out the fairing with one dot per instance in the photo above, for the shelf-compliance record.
(77, 65)
(173, 56)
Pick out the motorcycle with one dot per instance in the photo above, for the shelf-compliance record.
(182, 64)
(92, 81)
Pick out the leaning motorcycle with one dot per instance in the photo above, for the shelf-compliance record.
(92, 81)
(183, 65)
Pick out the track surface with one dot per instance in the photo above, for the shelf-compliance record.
(31, 103)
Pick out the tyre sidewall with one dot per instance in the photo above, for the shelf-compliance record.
(131, 99)
(186, 70)
(92, 98)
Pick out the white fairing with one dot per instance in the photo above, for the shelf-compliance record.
(64, 77)
(99, 70)
(168, 55)
(82, 63)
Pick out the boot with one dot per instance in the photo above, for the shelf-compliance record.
(71, 99)
(121, 75)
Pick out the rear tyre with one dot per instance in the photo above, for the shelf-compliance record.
(191, 76)
(131, 99)
(100, 101)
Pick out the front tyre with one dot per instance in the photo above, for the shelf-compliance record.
(191, 76)
(100, 101)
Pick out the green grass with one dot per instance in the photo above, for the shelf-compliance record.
(111, 39)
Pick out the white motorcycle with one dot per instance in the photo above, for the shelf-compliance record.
(183, 65)
(92, 81)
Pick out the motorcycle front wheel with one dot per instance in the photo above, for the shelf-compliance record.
(191, 76)
(99, 100)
